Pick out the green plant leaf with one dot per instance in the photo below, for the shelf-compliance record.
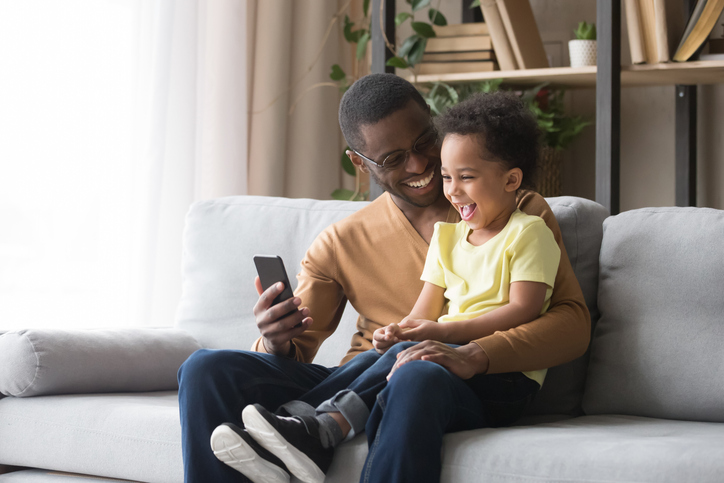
(352, 36)
(451, 92)
(474, 3)
(585, 31)
(347, 164)
(337, 73)
(343, 194)
(348, 30)
(407, 45)
(417, 51)
(366, 7)
(397, 62)
(436, 17)
(424, 29)
(401, 17)
(419, 4)
(362, 45)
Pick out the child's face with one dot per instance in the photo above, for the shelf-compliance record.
(483, 191)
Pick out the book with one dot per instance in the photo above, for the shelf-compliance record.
(702, 22)
(425, 68)
(648, 30)
(635, 36)
(458, 44)
(461, 29)
(669, 27)
(662, 31)
(458, 56)
(501, 44)
(523, 34)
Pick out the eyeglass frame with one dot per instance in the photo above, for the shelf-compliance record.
(406, 152)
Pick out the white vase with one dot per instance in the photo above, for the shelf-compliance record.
(582, 52)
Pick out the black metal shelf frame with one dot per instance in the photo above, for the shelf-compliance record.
(608, 103)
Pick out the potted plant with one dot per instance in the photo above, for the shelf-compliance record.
(582, 50)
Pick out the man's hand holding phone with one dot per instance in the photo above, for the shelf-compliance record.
(278, 322)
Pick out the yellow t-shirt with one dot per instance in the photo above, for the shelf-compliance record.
(477, 279)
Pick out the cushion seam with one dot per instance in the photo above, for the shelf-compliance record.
(37, 366)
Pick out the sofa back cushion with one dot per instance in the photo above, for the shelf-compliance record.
(220, 239)
(223, 235)
(657, 348)
(581, 224)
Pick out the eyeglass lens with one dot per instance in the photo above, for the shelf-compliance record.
(423, 145)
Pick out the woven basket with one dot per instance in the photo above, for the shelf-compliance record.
(549, 172)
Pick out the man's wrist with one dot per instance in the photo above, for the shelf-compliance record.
(477, 357)
(290, 350)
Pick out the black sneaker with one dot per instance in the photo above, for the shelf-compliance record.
(233, 446)
(293, 440)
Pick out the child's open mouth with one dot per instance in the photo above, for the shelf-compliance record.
(467, 211)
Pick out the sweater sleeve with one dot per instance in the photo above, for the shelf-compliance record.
(321, 293)
(558, 336)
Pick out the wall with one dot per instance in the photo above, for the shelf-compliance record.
(647, 122)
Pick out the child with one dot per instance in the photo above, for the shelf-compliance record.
(492, 271)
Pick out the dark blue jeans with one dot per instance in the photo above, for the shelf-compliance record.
(421, 403)
(215, 385)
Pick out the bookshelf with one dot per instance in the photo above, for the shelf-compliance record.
(701, 72)
(608, 77)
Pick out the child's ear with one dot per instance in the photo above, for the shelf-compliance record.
(515, 178)
(356, 160)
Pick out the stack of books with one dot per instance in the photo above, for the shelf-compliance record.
(458, 48)
(659, 32)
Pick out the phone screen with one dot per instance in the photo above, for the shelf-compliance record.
(271, 270)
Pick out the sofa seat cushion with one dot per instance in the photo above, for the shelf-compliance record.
(584, 449)
(129, 436)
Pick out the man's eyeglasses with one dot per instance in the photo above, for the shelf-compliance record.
(423, 145)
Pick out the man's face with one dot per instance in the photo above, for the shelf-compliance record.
(416, 180)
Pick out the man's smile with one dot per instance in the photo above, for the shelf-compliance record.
(421, 183)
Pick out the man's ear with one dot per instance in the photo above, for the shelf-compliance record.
(356, 160)
(514, 180)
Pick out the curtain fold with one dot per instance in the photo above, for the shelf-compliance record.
(295, 143)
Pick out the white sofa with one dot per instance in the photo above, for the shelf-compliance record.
(648, 407)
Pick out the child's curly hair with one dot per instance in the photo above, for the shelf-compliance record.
(505, 127)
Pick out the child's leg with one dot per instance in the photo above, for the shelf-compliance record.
(305, 441)
(342, 403)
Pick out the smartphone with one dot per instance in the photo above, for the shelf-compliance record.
(271, 270)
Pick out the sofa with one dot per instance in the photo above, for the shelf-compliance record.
(644, 404)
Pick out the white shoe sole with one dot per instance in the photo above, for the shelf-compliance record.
(266, 435)
(231, 449)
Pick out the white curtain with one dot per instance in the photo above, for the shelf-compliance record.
(115, 115)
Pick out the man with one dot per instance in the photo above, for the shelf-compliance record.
(374, 259)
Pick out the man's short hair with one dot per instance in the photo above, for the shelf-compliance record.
(504, 126)
(371, 99)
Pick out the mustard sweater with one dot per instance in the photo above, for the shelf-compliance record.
(374, 259)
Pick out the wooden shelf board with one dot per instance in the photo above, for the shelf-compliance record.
(688, 73)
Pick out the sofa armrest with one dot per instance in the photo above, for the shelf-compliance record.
(35, 362)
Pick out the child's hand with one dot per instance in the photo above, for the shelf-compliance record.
(385, 337)
(421, 329)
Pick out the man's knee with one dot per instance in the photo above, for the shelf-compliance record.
(399, 347)
(206, 365)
